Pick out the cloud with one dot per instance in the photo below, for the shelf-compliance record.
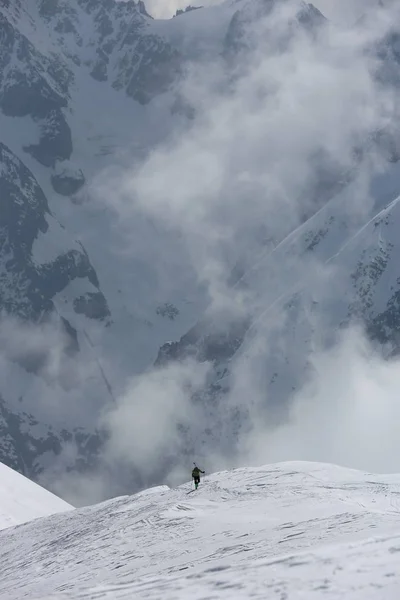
(39, 369)
(345, 11)
(48, 397)
(230, 186)
(153, 413)
(243, 174)
(347, 414)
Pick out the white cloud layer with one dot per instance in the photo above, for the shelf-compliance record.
(249, 159)
(230, 184)
(347, 414)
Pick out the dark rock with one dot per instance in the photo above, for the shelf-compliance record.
(26, 288)
(168, 310)
(25, 97)
(93, 305)
(21, 450)
(24, 205)
(55, 276)
(157, 73)
(68, 183)
(186, 10)
(205, 342)
(49, 8)
(99, 71)
(103, 25)
(72, 347)
(25, 89)
(55, 140)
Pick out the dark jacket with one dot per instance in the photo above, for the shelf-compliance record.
(196, 472)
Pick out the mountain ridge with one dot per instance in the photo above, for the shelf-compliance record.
(107, 306)
(286, 528)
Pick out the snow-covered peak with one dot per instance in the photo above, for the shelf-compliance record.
(289, 530)
(88, 85)
(21, 500)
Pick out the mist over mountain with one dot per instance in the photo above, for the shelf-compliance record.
(199, 240)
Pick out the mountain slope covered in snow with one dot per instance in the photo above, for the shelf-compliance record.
(184, 192)
(55, 59)
(21, 500)
(283, 530)
(104, 297)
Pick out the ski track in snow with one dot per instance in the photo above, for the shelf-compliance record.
(288, 531)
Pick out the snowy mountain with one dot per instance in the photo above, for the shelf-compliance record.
(282, 530)
(21, 500)
(54, 140)
(106, 303)
(184, 190)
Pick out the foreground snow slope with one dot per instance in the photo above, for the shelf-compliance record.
(292, 530)
(21, 500)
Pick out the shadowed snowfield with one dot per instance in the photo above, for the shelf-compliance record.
(288, 531)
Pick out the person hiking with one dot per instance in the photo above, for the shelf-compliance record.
(196, 475)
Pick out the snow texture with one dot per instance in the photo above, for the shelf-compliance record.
(290, 530)
(21, 500)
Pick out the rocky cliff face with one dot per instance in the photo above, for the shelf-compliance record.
(73, 75)
(121, 48)
(84, 85)
(28, 288)
(292, 313)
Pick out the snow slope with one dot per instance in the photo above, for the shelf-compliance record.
(21, 500)
(290, 530)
